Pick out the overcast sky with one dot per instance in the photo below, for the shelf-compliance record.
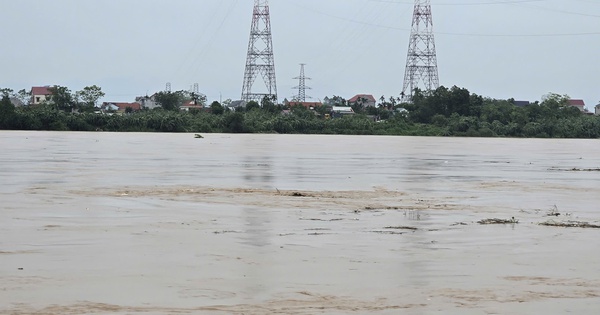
(495, 48)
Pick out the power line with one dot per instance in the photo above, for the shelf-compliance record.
(458, 34)
(464, 3)
(556, 10)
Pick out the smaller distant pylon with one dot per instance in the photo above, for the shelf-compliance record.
(301, 97)
(195, 88)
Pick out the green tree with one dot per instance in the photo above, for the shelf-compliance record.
(359, 105)
(554, 100)
(268, 104)
(323, 110)
(198, 98)
(496, 110)
(7, 112)
(6, 92)
(234, 122)
(336, 101)
(216, 108)
(171, 101)
(90, 95)
(24, 96)
(302, 112)
(62, 98)
(252, 105)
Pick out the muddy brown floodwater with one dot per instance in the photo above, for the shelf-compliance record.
(113, 223)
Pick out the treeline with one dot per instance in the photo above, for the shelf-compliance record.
(460, 113)
(444, 112)
(252, 121)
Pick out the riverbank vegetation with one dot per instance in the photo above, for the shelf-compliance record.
(444, 112)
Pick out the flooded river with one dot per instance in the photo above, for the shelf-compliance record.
(140, 223)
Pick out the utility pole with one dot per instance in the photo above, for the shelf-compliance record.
(301, 97)
(421, 62)
(260, 58)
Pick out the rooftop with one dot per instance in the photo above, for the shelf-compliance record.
(123, 106)
(359, 96)
(41, 90)
(576, 103)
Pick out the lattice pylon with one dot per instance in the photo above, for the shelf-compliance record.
(260, 59)
(301, 97)
(421, 62)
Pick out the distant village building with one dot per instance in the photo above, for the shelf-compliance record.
(234, 105)
(191, 104)
(40, 94)
(579, 104)
(521, 103)
(119, 107)
(340, 111)
(366, 100)
(148, 102)
(307, 105)
(598, 109)
(16, 102)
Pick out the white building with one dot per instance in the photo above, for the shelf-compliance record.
(148, 102)
(340, 111)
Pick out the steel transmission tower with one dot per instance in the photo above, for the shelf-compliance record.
(301, 97)
(421, 62)
(260, 56)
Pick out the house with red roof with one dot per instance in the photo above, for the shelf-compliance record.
(191, 104)
(366, 100)
(579, 104)
(40, 94)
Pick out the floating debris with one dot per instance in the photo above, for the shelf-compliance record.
(571, 224)
(381, 208)
(325, 220)
(458, 223)
(585, 169)
(318, 234)
(225, 232)
(575, 169)
(198, 136)
(553, 212)
(401, 228)
(499, 221)
(388, 232)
